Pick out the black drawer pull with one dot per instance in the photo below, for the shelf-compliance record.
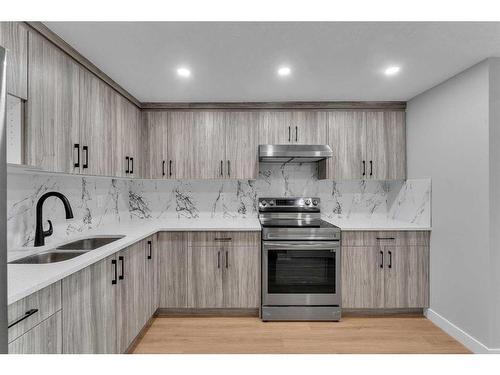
(150, 255)
(228, 168)
(26, 315)
(77, 147)
(382, 259)
(289, 135)
(170, 168)
(223, 239)
(218, 259)
(371, 167)
(390, 259)
(127, 170)
(296, 133)
(122, 276)
(85, 149)
(113, 262)
(364, 168)
(227, 256)
(163, 168)
(385, 238)
(132, 167)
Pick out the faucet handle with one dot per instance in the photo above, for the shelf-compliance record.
(48, 232)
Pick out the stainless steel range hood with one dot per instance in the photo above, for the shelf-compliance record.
(294, 153)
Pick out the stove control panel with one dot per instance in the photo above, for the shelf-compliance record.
(289, 204)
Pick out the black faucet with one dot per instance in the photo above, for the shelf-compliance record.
(40, 234)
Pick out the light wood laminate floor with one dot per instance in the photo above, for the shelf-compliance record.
(354, 334)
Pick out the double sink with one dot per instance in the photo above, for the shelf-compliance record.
(68, 251)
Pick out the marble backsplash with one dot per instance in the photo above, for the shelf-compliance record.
(98, 201)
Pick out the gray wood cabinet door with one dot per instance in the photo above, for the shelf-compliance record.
(406, 276)
(14, 38)
(96, 125)
(386, 145)
(362, 277)
(88, 300)
(151, 276)
(180, 143)
(241, 274)
(205, 277)
(157, 129)
(346, 137)
(308, 127)
(242, 144)
(172, 269)
(52, 126)
(45, 338)
(275, 127)
(130, 308)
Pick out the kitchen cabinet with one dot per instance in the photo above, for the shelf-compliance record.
(172, 269)
(14, 38)
(131, 310)
(96, 126)
(385, 269)
(45, 338)
(52, 126)
(151, 276)
(242, 144)
(205, 277)
(89, 305)
(366, 145)
(156, 123)
(289, 127)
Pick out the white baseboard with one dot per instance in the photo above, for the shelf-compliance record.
(458, 334)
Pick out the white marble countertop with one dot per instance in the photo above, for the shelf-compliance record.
(25, 279)
(376, 225)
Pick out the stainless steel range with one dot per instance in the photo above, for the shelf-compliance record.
(300, 261)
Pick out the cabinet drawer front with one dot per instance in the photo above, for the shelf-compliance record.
(46, 301)
(226, 239)
(373, 238)
(45, 338)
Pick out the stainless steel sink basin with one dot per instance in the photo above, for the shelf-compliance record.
(68, 251)
(48, 257)
(88, 244)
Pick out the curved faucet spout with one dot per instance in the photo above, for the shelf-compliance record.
(40, 234)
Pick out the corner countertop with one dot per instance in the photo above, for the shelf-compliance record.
(25, 279)
(376, 225)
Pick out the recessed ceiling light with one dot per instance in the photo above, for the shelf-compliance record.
(284, 71)
(392, 70)
(183, 72)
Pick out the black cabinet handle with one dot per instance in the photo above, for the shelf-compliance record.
(223, 239)
(385, 238)
(113, 262)
(150, 255)
(77, 147)
(127, 170)
(364, 168)
(85, 149)
(227, 256)
(289, 135)
(170, 168)
(132, 167)
(218, 259)
(390, 259)
(26, 315)
(122, 276)
(382, 259)
(163, 168)
(221, 167)
(229, 168)
(371, 168)
(296, 133)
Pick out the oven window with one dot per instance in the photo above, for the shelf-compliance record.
(301, 271)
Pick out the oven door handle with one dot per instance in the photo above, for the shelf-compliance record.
(301, 245)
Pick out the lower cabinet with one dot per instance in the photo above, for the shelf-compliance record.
(106, 305)
(209, 269)
(385, 270)
(45, 338)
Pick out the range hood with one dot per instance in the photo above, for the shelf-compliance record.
(294, 153)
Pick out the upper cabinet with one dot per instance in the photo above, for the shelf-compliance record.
(52, 126)
(366, 145)
(14, 38)
(285, 127)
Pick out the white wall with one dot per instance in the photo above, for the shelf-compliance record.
(448, 139)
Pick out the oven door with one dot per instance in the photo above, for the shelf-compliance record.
(301, 273)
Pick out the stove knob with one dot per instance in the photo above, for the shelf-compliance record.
(308, 202)
(264, 203)
(315, 202)
(271, 203)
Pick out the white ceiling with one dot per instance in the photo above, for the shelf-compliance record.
(238, 61)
